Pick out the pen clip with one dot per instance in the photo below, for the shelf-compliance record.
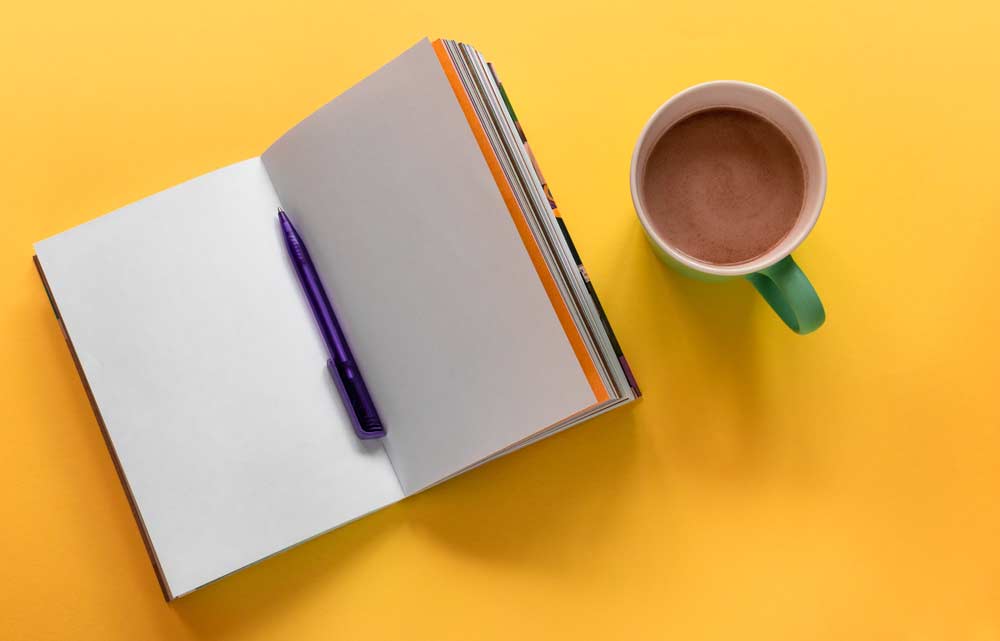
(352, 411)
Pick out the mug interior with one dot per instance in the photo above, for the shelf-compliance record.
(766, 104)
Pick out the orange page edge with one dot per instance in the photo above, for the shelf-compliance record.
(517, 215)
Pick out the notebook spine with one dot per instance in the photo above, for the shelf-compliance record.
(616, 346)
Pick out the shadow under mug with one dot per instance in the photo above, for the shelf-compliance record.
(774, 274)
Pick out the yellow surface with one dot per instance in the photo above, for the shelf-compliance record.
(838, 486)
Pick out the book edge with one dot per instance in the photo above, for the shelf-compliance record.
(601, 394)
(158, 570)
(563, 228)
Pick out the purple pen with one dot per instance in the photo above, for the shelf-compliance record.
(344, 370)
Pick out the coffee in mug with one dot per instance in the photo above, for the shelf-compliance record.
(724, 185)
(728, 178)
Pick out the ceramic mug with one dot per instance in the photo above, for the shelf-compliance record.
(774, 274)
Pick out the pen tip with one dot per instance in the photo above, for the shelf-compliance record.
(281, 214)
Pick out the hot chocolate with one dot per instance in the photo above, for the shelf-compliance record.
(723, 185)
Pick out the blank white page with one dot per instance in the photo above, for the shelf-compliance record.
(447, 318)
(210, 374)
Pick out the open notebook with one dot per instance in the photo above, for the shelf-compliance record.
(454, 279)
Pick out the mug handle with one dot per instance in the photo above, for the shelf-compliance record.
(790, 294)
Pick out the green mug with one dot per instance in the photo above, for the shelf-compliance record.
(774, 274)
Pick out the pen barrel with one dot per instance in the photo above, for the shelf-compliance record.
(296, 248)
(347, 377)
(329, 326)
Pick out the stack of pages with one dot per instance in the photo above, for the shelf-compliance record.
(463, 299)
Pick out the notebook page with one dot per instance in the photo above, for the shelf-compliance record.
(211, 377)
(449, 323)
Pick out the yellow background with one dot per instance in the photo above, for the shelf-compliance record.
(838, 486)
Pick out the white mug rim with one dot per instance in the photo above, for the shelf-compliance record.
(787, 244)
